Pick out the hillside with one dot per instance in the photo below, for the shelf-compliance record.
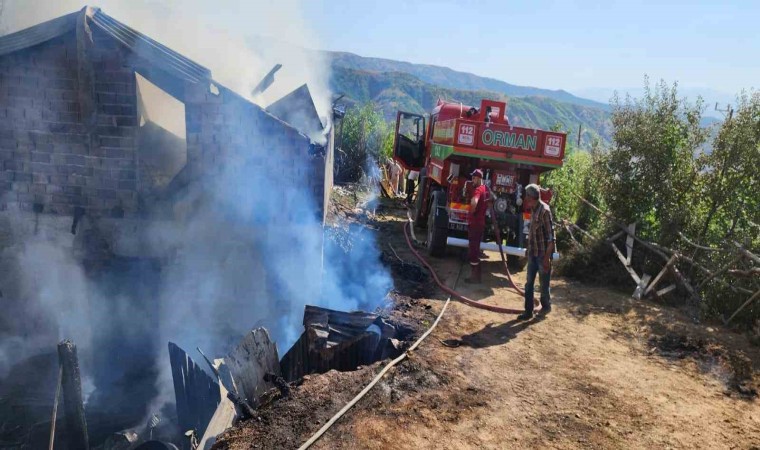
(452, 79)
(393, 91)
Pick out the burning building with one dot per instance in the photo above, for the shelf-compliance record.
(142, 201)
(75, 129)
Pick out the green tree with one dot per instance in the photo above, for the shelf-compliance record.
(731, 184)
(652, 168)
(577, 177)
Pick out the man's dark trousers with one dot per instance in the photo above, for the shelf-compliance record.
(536, 266)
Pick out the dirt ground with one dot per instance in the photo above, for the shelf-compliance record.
(601, 371)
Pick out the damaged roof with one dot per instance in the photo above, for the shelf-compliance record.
(298, 109)
(140, 44)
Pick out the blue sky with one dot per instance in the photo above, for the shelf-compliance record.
(579, 46)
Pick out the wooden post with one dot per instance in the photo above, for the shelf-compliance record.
(629, 242)
(51, 442)
(665, 268)
(71, 385)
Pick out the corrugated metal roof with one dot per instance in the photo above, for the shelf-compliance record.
(150, 49)
(153, 51)
(37, 34)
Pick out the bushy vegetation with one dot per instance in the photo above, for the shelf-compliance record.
(363, 139)
(674, 179)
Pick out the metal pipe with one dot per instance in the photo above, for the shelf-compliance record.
(491, 247)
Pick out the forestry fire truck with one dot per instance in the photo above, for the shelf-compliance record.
(457, 139)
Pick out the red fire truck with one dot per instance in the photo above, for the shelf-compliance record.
(446, 146)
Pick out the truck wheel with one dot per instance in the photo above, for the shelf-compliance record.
(420, 219)
(437, 227)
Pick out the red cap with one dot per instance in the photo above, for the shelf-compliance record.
(477, 173)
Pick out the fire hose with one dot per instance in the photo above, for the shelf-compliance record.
(390, 365)
(457, 295)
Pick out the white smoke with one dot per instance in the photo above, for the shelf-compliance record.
(240, 41)
(44, 292)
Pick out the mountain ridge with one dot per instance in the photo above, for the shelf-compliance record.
(393, 91)
(454, 79)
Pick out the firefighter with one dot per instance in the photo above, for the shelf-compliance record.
(539, 251)
(410, 182)
(476, 224)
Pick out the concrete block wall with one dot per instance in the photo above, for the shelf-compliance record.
(49, 154)
(226, 130)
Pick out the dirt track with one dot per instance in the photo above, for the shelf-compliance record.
(602, 371)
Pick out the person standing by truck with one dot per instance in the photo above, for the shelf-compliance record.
(539, 251)
(476, 225)
(411, 179)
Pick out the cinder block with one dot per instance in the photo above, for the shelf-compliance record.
(60, 209)
(40, 157)
(78, 160)
(128, 184)
(25, 197)
(20, 186)
(106, 97)
(40, 179)
(117, 153)
(73, 190)
(95, 202)
(59, 179)
(67, 117)
(78, 149)
(94, 162)
(43, 168)
(38, 188)
(125, 121)
(108, 194)
(76, 180)
(127, 175)
(127, 163)
(109, 183)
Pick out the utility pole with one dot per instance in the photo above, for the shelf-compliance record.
(729, 111)
(580, 126)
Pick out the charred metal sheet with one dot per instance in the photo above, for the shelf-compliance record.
(266, 81)
(336, 340)
(250, 361)
(197, 395)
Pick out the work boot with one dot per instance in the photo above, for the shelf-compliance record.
(474, 277)
(525, 316)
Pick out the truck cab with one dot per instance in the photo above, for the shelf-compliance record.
(451, 142)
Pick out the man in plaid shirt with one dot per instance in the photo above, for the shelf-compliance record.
(539, 252)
